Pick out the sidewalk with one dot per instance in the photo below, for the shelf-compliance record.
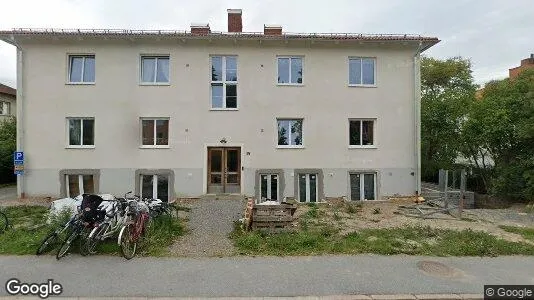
(318, 276)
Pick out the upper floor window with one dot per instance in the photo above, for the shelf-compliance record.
(4, 108)
(290, 132)
(362, 71)
(361, 133)
(81, 132)
(81, 68)
(289, 70)
(223, 82)
(155, 69)
(155, 132)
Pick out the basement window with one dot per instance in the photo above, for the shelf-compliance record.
(362, 186)
(155, 186)
(79, 184)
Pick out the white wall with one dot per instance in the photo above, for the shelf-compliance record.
(117, 101)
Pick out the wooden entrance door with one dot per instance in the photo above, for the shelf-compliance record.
(224, 170)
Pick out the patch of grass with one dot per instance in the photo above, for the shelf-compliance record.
(30, 227)
(529, 208)
(405, 240)
(353, 208)
(3, 185)
(527, 233)
(336, 216)
(313, 212)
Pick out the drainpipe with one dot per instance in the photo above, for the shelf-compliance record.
(417, 115)
(20, 112)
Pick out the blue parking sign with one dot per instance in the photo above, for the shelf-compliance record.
(18, 157)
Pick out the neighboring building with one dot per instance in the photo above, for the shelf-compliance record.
(175, 113)
(527, 63)
(8, 104)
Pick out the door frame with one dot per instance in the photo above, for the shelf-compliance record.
(205, 163)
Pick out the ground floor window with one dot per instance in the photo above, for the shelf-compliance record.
(307, 187)
(362, 186)
(79, 184)
(155, 186)
(269, 189)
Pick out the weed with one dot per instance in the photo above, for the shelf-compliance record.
(377, 211)
(527, 233)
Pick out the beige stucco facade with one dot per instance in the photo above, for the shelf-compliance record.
(117, 101)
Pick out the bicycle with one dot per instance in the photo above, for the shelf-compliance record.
(4, 222)
(89, 216)
(53, 237)
(110, 226)
(135, 228)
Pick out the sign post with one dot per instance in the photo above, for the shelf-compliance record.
(18, 162)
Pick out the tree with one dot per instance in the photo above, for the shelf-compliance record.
(447, 91)
(501, 126)
(8, 144)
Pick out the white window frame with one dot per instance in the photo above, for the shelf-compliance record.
(361, 84)
(69, 66)
(6, 108)
(289, 134)
(80, 183)
(308, 200)
(154, 146)
(269, 182)
(290, 57)
(81, 146)
(154, 186)
(224, 83)
(374, 145)
(362, 186)
(156, 57)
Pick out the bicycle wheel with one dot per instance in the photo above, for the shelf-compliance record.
(3, 223)
(93, 241)
(48, 243)
(83, 237)
(127, 245)
(66, 244)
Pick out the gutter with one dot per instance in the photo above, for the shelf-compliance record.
(20, 109)
(417, 115)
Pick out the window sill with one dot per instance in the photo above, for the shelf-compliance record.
(155, 83)
(80, 147)
(290, 84)
(80, 83)
(155, 147)
(363, 147)
(223, 109)
(290, 147)
(363, 85)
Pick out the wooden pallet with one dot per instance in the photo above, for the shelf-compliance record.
(273, 218)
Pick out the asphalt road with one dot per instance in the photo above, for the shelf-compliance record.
(265, 276)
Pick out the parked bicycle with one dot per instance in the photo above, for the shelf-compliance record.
(115, 218)
(84, 224)
(134, 231)
(4, 222)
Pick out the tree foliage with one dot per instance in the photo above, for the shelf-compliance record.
(448, 91)
(501, 126)
(8, 144)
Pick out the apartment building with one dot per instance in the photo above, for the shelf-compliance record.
(188, 113)
(8, 104)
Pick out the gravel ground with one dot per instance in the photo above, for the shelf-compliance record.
(210, 223)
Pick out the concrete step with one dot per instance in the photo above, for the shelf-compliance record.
(222, 197)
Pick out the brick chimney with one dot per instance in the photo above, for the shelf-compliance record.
(235, 22)
(200, 28)
(272, 30)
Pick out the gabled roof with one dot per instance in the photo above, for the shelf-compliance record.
(4, 89)
(7, 35)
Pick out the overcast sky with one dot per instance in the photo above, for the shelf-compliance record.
(494, 34)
